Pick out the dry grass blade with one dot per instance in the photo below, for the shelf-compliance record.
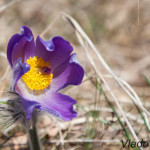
(82, 37)
(50, 26)
(2, 54)
(107, 86)
(87, 141)
(81, 33)
(4, 7)
(138, 8)
(137, 97)
(5, 74)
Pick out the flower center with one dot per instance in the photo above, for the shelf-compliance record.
(39, 76)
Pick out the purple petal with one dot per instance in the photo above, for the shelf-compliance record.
(21, 45)
(55, 103)
(61, 68)
(19, 69)
(56, 51)
(73, 75)
(29, 106)
(59, 105)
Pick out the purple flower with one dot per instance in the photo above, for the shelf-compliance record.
(40, 70)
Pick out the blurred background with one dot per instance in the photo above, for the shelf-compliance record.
(120, 29)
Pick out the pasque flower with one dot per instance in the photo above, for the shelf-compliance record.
(40, 70)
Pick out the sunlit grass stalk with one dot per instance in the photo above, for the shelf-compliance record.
(114, 110)
(91, 132)
(99, 87)
(142, 116)
(95, 104)
(127, 134)
(98, 118)
(148, 80)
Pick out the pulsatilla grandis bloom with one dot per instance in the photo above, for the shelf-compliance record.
(40, 69)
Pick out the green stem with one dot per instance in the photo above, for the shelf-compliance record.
(33, 135)
(34, 140)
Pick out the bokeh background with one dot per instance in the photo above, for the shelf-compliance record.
(120, 29)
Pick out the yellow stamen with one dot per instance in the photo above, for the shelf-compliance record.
(36, 78)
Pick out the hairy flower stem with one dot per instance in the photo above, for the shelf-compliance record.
(33, 136)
